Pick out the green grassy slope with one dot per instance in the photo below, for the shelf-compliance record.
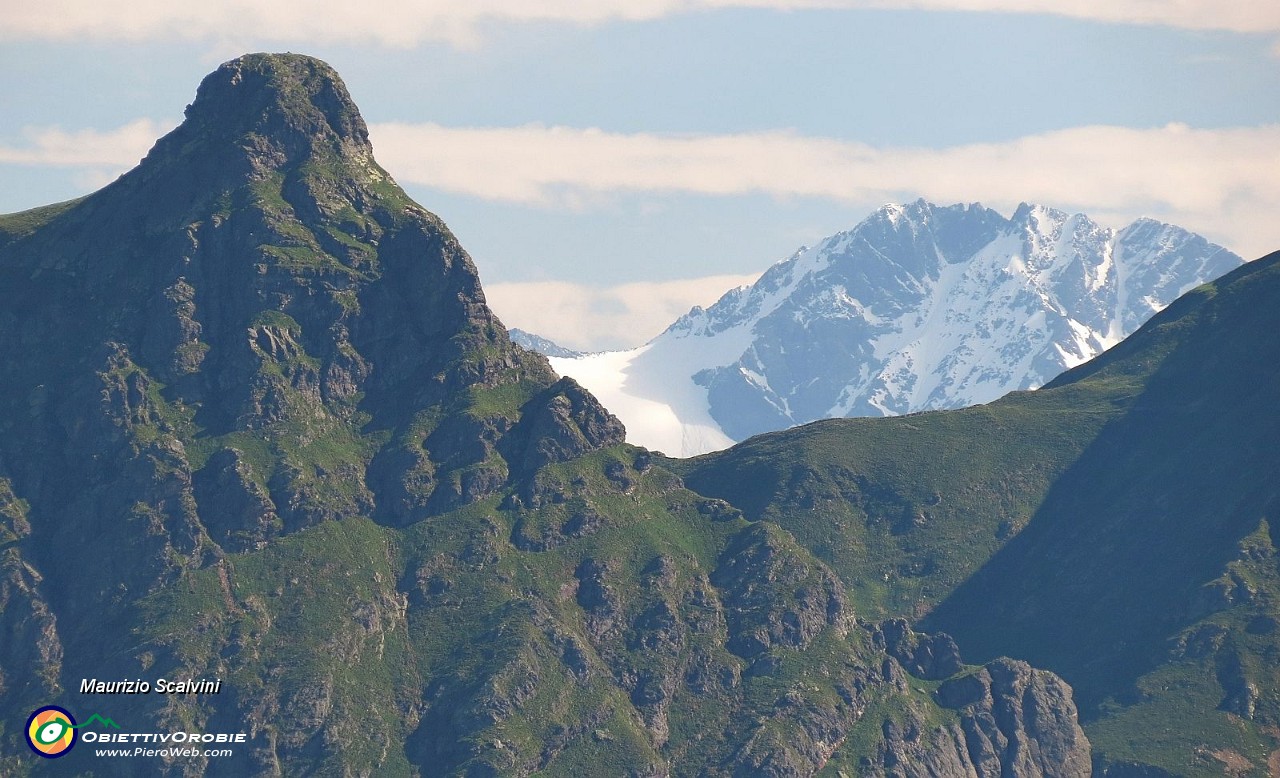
(907, 508)
(1089, 527)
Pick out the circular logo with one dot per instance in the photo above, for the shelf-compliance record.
(50, 731)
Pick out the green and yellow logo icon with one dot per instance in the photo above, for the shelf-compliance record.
(51, 731)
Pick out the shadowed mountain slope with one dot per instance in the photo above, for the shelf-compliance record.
(1114, 526)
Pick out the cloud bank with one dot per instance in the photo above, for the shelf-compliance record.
(118, 149)
(410, 22)
(1221, 182)
(589, 318)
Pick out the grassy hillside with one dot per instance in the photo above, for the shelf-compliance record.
(907, 508)
(1094, 527)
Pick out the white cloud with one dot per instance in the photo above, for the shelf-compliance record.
(1222, 182)
(589, 318)
(1219, 182)
(114, 150)
(408, 22)
(1244, 16)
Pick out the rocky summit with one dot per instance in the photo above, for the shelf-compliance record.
(263, 438)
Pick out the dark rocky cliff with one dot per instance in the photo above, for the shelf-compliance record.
(259, 425)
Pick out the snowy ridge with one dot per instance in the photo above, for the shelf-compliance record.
(919, 307)
(531, 342)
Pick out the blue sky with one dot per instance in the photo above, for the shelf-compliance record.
(608, 164)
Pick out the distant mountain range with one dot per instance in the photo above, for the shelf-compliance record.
(542, 345)
(919, 307)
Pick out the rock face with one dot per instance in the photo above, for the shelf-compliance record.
(1018, 721)
(1013, 720)
(919, 307)
(774, 601)
(260, 426)
(31, 648)
(933, 657)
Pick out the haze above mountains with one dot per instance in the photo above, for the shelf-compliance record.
(260, 425)
(919, 307)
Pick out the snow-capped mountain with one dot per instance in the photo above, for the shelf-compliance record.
(919, 307)
(544, 346)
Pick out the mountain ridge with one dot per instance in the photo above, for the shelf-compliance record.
(544, 346)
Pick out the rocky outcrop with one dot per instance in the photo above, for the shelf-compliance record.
(932, 657)
(1010, 720)
(563, 423)
(235, 508)
(771, 600)
(31, 650)
(1017, 720)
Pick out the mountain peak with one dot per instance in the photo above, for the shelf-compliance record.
(1031, 215)
(271, 111)
(918, 307)
(266, 93)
